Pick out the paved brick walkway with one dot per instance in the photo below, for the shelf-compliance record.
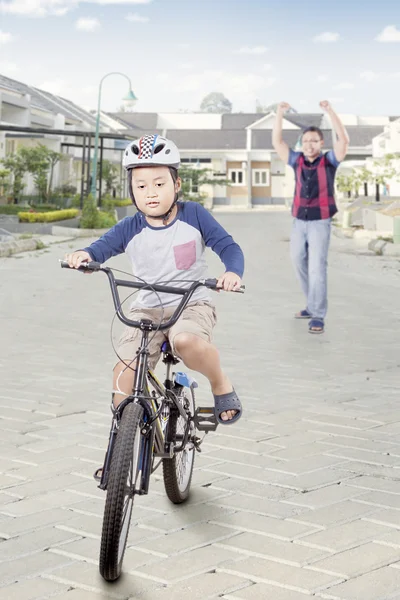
(300, 499)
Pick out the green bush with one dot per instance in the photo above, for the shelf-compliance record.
(105, 220)
(47, 217)
(44, 207)
(92, 218)
(12, 209)
(122, 202)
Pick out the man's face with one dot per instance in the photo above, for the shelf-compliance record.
(153, 189)
(312, 144)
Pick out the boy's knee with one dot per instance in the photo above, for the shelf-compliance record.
(185, 341)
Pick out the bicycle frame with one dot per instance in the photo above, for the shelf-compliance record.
(152, 436)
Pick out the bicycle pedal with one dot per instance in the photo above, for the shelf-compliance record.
(204, 419)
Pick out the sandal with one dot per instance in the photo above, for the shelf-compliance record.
(225, 402)
(316, 326)
(303, 314)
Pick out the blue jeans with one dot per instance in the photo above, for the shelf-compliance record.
(309, 245)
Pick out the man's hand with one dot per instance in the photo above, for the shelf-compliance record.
(326, 106)
(77, 258)
(283, 107)
(229, 282)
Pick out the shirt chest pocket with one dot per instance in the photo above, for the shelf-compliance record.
(185, 255)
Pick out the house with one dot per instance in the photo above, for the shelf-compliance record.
(237, 147)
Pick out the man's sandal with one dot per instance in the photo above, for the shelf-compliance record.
(316, 326)
(303, 314)
(225, 402)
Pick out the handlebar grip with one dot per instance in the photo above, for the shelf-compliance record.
(212, 285)
(89, 266)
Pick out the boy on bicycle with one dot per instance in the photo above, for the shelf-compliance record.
(165, 241)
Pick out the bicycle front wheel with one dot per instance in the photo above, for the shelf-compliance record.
(125, 474)
(178, 470)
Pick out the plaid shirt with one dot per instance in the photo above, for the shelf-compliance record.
(314, 192)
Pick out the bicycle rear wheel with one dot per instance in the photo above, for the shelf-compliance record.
(125, 474)
(178, 470)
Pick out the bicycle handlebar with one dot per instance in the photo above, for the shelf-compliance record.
(166, 289)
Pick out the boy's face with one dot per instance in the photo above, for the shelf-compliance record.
(154, 189)
(312, 144)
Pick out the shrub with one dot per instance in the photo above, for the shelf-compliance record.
(48, 217)
(92, 218)
(12, 209)
(122, 202)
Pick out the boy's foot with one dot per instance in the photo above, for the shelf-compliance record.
(228, 408)
(303, 314)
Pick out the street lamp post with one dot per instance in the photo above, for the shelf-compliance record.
(129, 99)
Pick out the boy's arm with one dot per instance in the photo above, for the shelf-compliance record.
(341, 144)
(281, 147)
(111, 243)
(219, 240)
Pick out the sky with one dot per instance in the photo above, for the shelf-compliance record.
(175, 52)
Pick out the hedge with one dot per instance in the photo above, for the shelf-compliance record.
(12, 209)
(48, 217)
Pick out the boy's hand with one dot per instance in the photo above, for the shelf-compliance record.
(229, 281)
(325, 105)
(283, 107)
(77, 258)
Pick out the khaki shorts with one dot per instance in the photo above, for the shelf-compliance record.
(198, 318)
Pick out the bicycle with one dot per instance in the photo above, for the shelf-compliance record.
(157, 421)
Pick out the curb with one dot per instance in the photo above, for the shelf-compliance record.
(379, 246)
(14, 247)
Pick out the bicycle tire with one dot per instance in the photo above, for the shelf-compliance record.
(178, 471)
(118, 510)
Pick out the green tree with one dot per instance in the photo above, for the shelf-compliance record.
(192, 180)
(345, 184)
(382, 171)
(40, 162)
(4, 184)
(216, 103)
(109, 174)
(15, 164)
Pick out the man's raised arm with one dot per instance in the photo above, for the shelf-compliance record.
(281, 147)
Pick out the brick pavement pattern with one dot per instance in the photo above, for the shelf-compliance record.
(300, 499)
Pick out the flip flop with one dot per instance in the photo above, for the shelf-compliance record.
(303, 314)
(316, 323)
(225, 402)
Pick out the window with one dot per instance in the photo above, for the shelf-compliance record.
(260, 177)
(193, 187)
(237, 176)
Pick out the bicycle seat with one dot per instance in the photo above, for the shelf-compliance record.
(166, 347)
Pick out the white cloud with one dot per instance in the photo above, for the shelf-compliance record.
(43, 8)
(87, 24)
(55, 86)
(327, 36)
(336, 99)
(186, 66)
(389, 34)
(8, 68)
(369, 75)
(253, 50)
(266, 67)
(344, 86)
(322, 78)
(134, 18)
(5, 37)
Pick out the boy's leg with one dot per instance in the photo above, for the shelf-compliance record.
(299, 253)
(190, 339)
(128, 345)
(318, 238)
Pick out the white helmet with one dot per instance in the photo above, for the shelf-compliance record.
(151, 150)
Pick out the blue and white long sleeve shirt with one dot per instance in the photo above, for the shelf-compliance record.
(175, 252)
